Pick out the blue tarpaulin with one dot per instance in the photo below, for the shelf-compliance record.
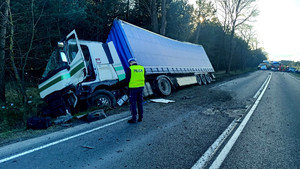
(158, 54)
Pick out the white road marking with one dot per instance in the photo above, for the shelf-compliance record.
(212, 149)
(223, 154)
(260, 89)
(62, 140)
(294, 77)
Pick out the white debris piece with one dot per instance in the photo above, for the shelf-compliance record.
(162, 101)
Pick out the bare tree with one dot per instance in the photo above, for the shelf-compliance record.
(163, 17)
(234, 13)
(3, 25)
(248, 35)
(12, 56)
(154, 17)
(33, 29)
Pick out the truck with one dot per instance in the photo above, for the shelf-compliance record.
(84, 73)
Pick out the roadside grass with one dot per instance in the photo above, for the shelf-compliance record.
(296, 74)
(222, 75)
(14, 114)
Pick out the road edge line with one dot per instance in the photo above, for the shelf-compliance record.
(260, 89)
(223, 154)
(212, 149)
(61, 140)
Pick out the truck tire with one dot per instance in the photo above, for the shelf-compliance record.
(199, 80)
(208, 78)
(163, 86)
(203, 79)
(103, 99)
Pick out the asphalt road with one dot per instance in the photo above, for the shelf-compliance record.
(271, 139)
(176, 135)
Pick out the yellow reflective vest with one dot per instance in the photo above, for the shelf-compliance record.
(137, 78)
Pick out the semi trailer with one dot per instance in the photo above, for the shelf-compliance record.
(90, 73)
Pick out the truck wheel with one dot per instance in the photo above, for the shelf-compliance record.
(199, 80)
(208, 78)
(203, 79)
(163, 86)
(103, 99)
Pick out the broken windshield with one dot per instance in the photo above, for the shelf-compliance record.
(55, 62)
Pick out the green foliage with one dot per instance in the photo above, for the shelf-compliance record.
(14, 114)
(179, 20)
(43, 23)
(49, 21)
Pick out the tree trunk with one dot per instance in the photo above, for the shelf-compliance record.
(154, 20)
(12, 59)
(163, 18)
(230, 51)
(197, 33)
(3, 21)
(127, 12)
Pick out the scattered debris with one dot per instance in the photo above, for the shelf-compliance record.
(210, 111)
(88, 147)
(67, 125)
(93, 116)
(63, 119)
(162, 101)
(119, 151)
(187, 97)
(96, 115)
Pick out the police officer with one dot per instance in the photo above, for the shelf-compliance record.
(136, 78)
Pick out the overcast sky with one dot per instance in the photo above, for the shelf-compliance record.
(278, 28)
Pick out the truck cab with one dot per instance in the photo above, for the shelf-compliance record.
(80, 71)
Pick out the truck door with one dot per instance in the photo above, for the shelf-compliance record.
(78, 68)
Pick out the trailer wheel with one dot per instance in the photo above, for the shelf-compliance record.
(164, 86)
(103, 99)
(203, 79)
(208, 78)
(199, 80)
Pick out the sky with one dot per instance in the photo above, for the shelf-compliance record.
(278, 28)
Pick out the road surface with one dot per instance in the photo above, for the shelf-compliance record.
(271, 139)
(176, 135)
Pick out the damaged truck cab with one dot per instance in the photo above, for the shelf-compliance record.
(79, 72)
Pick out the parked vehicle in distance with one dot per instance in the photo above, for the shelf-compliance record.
(262, 66)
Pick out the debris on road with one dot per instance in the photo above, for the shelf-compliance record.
(63, 119)
(187, 97)
(88, 147)
(96, 115)
(93, 116)
(162, 101)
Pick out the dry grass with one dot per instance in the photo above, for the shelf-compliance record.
(14, 114)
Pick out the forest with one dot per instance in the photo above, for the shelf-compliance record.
(30, 30)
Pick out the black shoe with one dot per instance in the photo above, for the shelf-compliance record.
(131, 121)
(140, 120)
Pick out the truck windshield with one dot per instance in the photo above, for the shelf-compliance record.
(55, 62)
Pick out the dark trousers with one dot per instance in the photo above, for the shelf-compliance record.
(136, 97)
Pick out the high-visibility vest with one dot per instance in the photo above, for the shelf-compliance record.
(137, 78)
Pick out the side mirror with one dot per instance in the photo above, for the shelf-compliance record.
(60, 44)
